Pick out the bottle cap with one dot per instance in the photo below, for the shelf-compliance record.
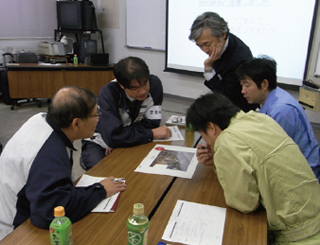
(59, 211)
(138, 209)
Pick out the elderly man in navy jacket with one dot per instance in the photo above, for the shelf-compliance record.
(36, 164)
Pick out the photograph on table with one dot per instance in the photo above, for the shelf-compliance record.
(170, 160)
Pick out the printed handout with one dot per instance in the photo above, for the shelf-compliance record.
(106, 205)
(196, 224)
(170, 160)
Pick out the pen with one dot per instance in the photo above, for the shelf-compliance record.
(122, 180)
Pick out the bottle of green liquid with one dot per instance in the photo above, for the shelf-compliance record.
(75, 60)
(60, 228)
(138, 226)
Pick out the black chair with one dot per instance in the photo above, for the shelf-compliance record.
(26, 58)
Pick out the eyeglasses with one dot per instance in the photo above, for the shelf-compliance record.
(98, 113)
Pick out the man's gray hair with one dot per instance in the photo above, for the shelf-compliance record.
(209, 20)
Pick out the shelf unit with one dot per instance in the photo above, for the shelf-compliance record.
(58, 33)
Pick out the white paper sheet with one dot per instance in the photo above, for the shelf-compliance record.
(106, 205)
(175, 134)
(195, 224)
(176, 120)
(170, 160)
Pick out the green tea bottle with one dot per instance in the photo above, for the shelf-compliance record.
(138, 226)
(75, 60)
(60, 228)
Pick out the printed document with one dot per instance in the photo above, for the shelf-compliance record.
(195, 224)
(107, 205)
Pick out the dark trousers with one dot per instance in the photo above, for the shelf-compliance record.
(91, 154)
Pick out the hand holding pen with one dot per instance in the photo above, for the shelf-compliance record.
(113, 186)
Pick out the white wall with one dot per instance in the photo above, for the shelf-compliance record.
(174, 84)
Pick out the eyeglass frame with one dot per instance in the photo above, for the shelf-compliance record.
(96, 115)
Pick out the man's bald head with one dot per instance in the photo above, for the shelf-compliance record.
(69, 103)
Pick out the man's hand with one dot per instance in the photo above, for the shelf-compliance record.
(108, 150)
(161, 133)
(204, 155)
(216, 50)
(112, 187)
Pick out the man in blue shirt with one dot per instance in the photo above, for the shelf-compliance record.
(259, 85)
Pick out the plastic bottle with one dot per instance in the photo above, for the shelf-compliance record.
(60, 228)
(138, 226)
(75, 60)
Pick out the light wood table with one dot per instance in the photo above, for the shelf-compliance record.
(149, 189)
(110, 228)
(43, 81)
(204, 187)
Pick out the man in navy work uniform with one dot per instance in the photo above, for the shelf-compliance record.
(259, 85)
(225, 53)
(36, 164)
(130, 111)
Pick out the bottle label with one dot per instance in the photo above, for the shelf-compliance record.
(61, 235)
(139, 238)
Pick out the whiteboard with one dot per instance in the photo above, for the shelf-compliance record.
(27, 18)
(145, 24)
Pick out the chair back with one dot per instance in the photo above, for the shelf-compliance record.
(7, 58)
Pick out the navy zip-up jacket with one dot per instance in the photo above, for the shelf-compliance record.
(36, 176)
(119, 126)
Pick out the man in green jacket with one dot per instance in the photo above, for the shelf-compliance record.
(258, 163)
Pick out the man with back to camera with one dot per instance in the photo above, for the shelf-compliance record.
(258, 163)
(130, 111)
(258, 78)
(225, 53)
(36, 164)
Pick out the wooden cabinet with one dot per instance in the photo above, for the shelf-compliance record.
(43, 82)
